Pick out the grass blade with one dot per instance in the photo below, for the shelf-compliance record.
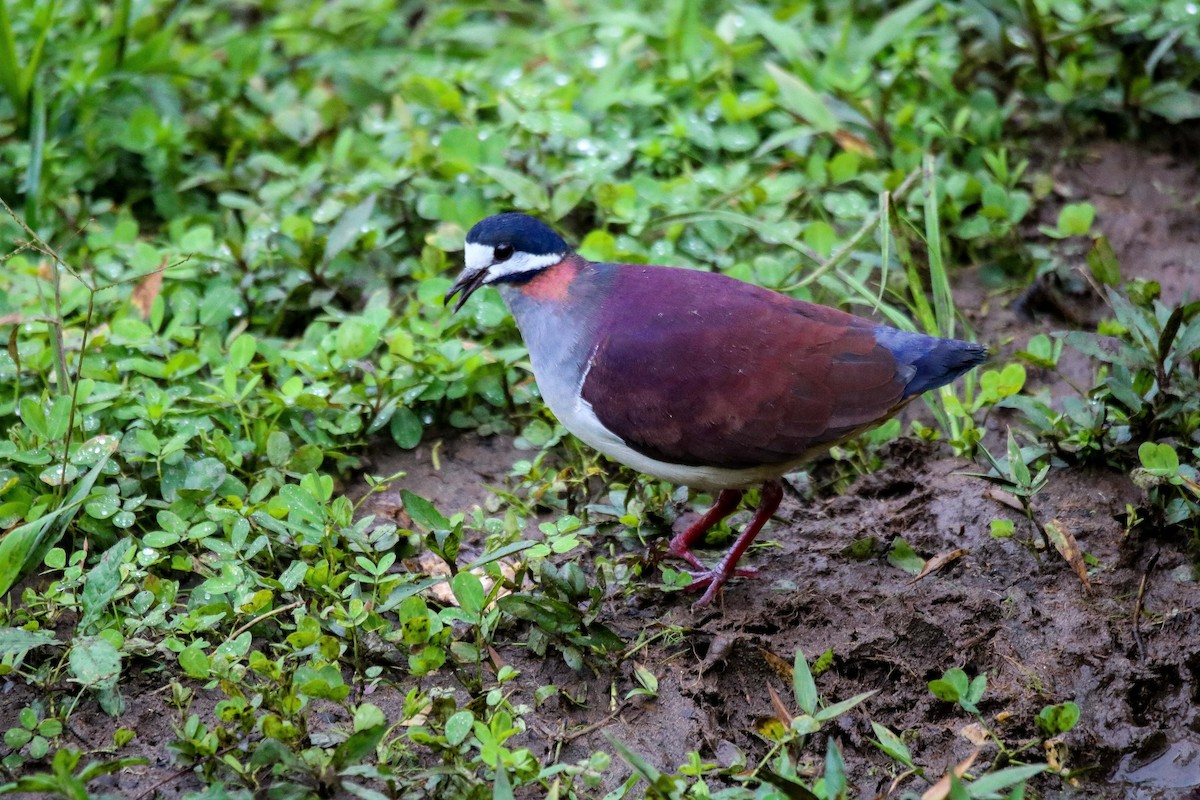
(10, 73)
(939, 281)
(803, 685)
(42, 24)
(24, 545)
(37, 148)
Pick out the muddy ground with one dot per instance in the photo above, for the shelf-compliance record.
(1003, 607)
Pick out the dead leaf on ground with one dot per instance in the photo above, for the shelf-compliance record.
(939, 561)
(941, 789)
(1066, 545)
(781, 711)
(1056, 754)
(974, 733)
(497, 660)
(147, 291)
(1005, 498)
(433, 566)
(778, 665)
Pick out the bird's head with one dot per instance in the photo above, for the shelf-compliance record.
(509, 247)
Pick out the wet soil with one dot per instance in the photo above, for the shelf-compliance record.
(1004, 607)
(1124, 650)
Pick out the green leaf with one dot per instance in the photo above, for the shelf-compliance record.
(300, 502)
(458, 726)
(102, 507)
(59, 417)
(24, 546)
(526, 194)
(502, 789)
(358, 747)
(837, 709)
(803, 685)
(204, 476)
(194, 661)
(241, 352)
(306, 460)
(892, 745)
(1058, 719)
(904, 557)
(16, 642)
(422, 512)
(889, 28)
(293, 575)
(1075, 219)
(957, 790)
(995, 385)
(1159, 460)
(1169, 332)
(349, 228)
(406, 428)
(10, 73)
(835, 771)
(944, 690)
(356, 338)
(1002, 528)
(16, 738)
(1002, 779)
(1176, 105)
(977, 688)
(468, 590)
(1102, 261)
(279, 449)
(102, 583)
(799, 98)
(94, 662)
(59, 474)
(33, 415)
(784, 38)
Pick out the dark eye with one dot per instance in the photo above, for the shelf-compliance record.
(503, 253)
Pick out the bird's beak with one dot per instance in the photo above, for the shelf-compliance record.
(468, 281)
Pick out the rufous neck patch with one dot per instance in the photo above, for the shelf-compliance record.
(554, 282)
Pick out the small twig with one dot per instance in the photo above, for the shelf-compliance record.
(1137, 606)
(179, 773)
(593, 727)
(262, 617)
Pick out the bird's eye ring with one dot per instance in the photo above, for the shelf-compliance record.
(503, 253)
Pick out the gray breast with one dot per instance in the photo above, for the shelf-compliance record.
(561, 338)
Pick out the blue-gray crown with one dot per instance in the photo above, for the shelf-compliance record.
(521, 232)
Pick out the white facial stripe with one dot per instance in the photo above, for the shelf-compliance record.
(520, 263)
(479, 256)
(482, 258)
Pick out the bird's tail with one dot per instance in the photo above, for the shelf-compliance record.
(933, 362)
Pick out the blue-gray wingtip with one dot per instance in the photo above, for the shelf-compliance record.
(945, 362)
(934, 362)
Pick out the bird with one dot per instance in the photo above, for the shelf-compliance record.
(695, 377)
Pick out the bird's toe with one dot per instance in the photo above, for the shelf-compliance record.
(714, 579)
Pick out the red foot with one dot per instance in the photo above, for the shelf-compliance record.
(726, 568)
(680, 550)
(714, 579)
(681, 545)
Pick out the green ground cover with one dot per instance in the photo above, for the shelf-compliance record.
(229, 227)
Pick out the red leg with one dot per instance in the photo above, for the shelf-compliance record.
(715, 578)
(681, 545)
